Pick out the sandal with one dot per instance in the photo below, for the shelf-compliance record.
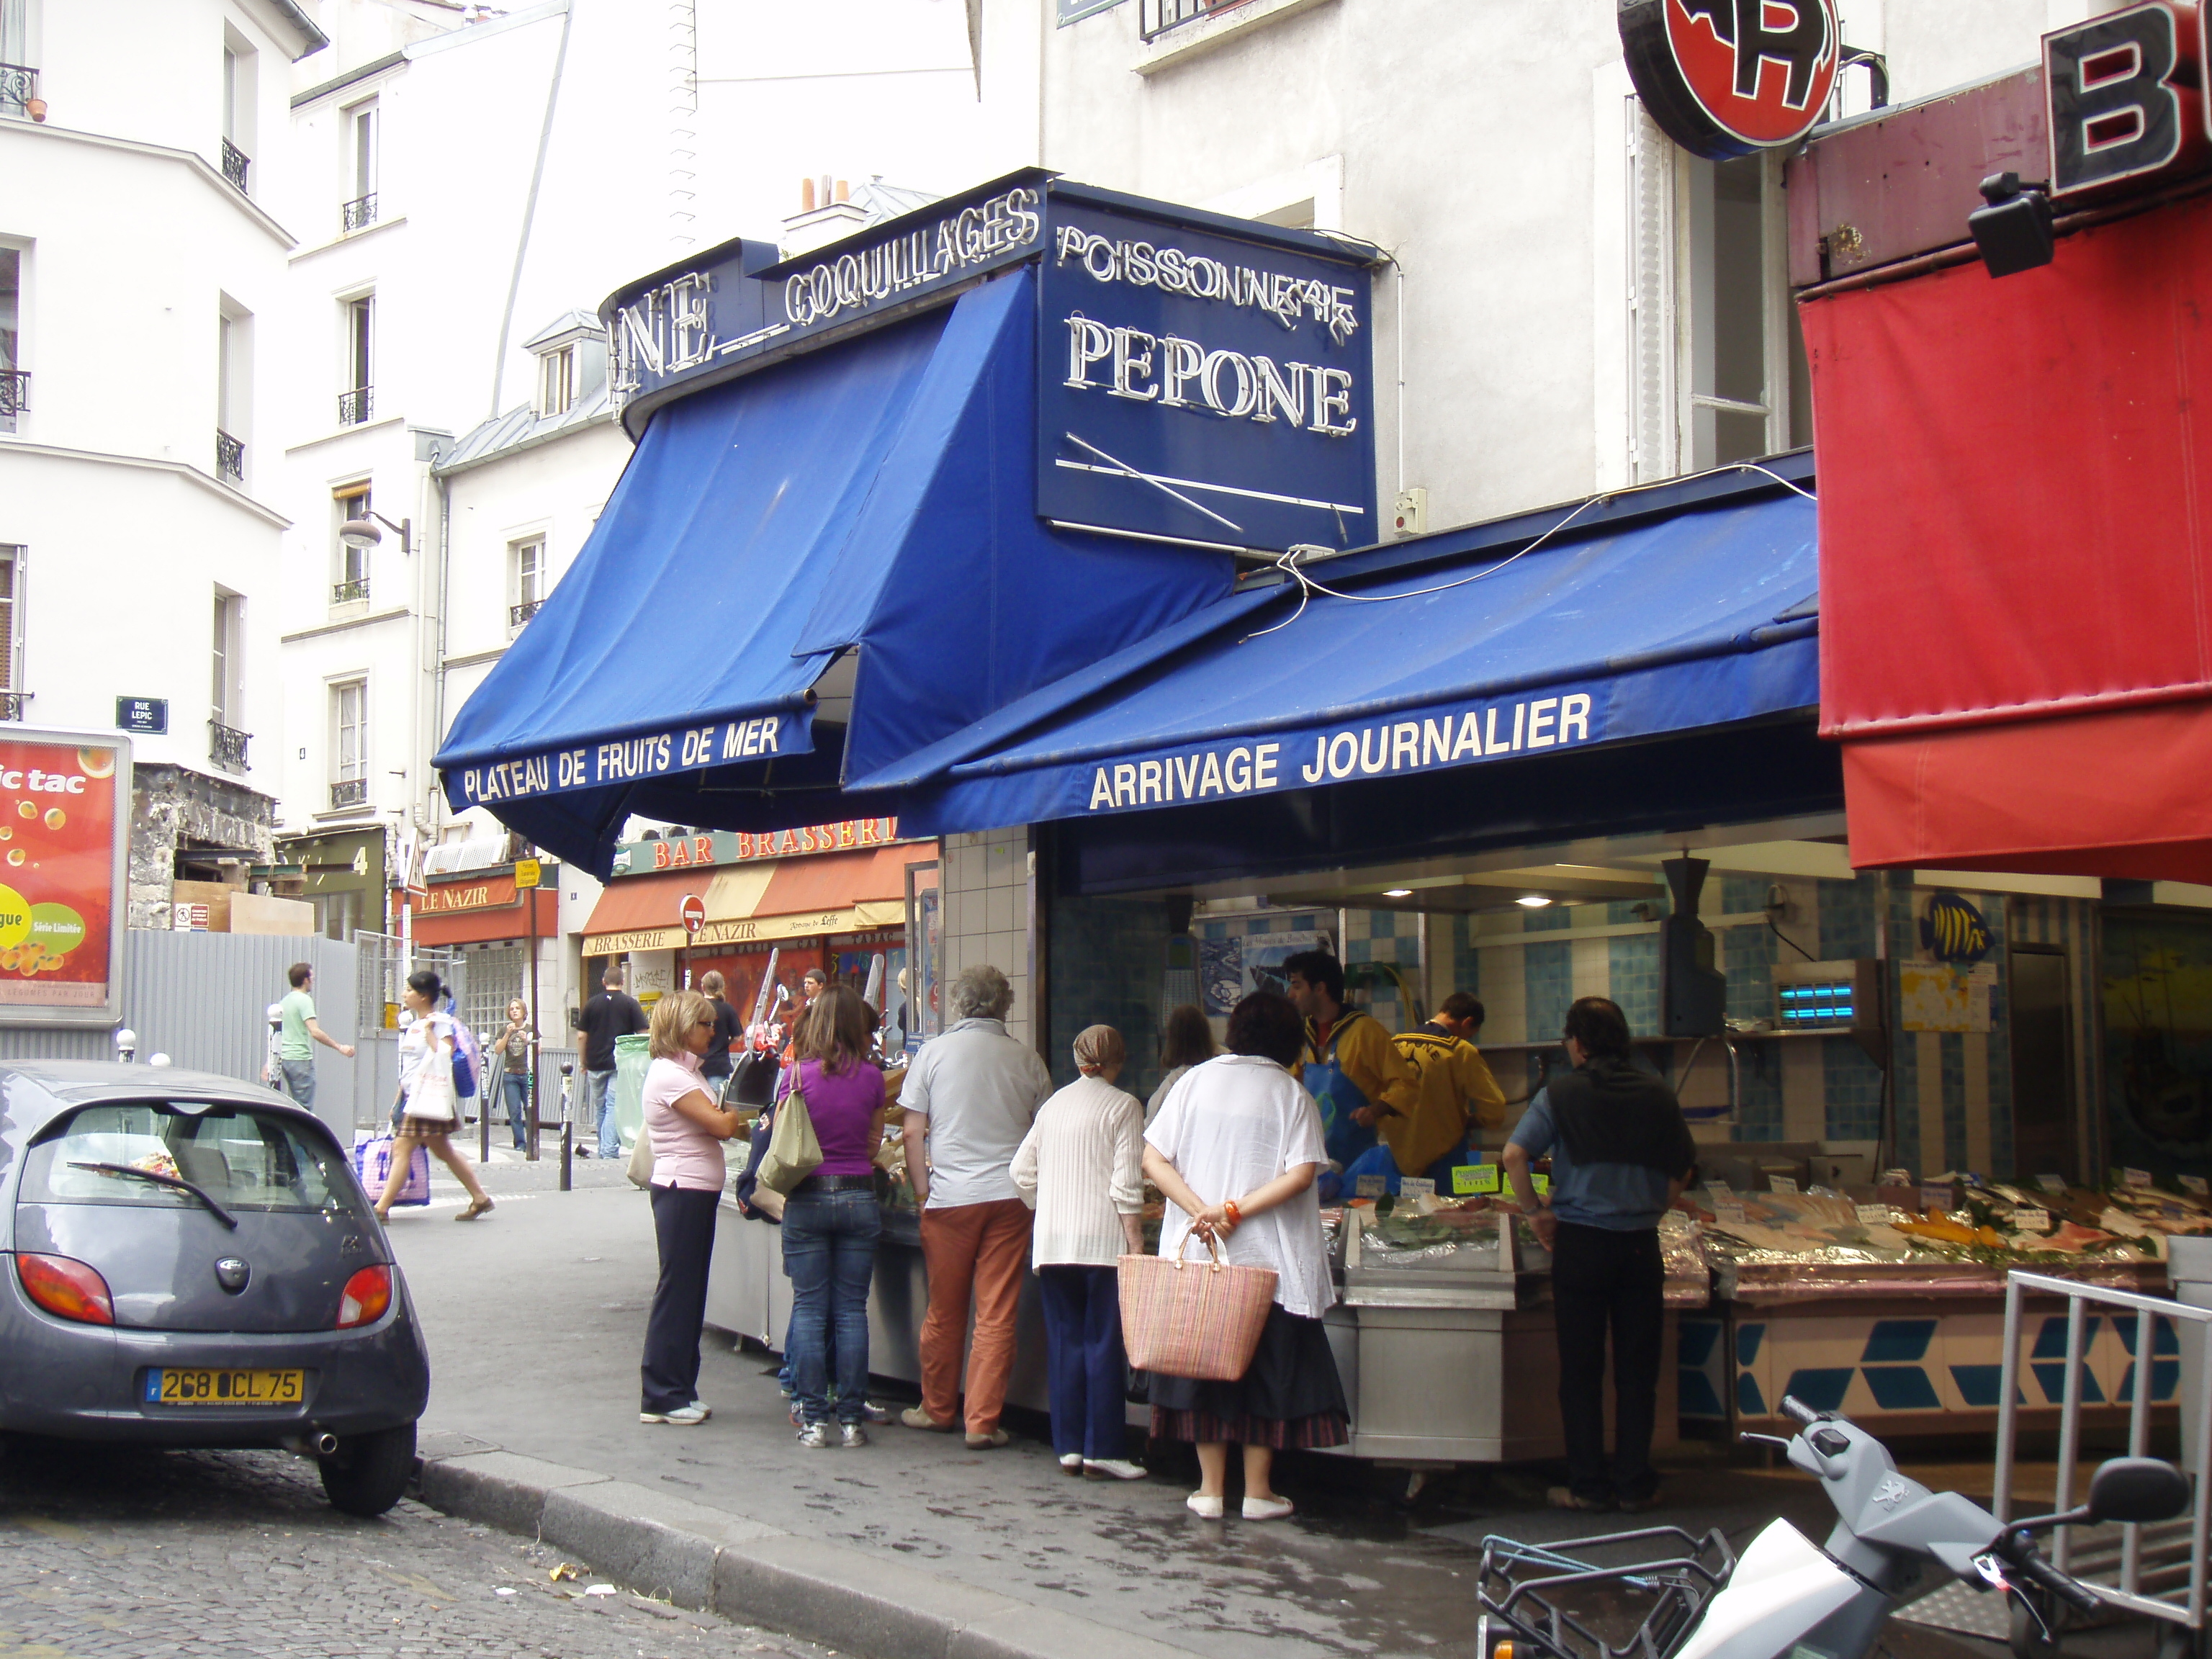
(480, 1207)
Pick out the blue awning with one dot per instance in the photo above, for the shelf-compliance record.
(861, 498)
(1645, 617)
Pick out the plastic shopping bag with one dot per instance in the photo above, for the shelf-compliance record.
(372, 1163)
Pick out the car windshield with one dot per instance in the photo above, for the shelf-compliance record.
(242, 1159)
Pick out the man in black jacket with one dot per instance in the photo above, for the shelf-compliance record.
(612, 1013)
(1621, 1153)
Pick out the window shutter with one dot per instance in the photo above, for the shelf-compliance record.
(1653, 433)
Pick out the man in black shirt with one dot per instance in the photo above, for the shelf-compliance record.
(612, 1013)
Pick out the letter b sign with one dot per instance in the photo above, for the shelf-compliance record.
(2125, 96)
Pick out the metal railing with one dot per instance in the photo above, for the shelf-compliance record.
(519, 614)
(19, 85)
(2168, 1553)
(236, 161)
(348, 792)
(227, 746)
(353, 406)
(229, 456)
(350, 593)
(360, 213)
(1157, 17)
(14, 394)
(15, 705)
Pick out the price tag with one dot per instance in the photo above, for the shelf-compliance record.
(2195, 1184)
(1873, 1215)
(1543, 1183)
(1781, 1183)
(2031, 1221)
(1474, 1178)
(2135, 1177)
(1371, 1187)
(1412, 1187)
(1895, 1178)
(1718, 1193)
(2052, 1183)
(1730, 1215)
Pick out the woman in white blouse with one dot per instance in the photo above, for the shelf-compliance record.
(1081, 1169)
(1235, 1148)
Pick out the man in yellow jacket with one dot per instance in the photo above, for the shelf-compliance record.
(1456, 1089)
(1360, 1081)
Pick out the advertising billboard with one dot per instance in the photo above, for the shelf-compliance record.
(64, 802)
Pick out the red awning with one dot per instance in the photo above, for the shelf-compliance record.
(758, 901)
(2015, 480)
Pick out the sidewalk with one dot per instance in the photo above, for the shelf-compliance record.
(917, 1545)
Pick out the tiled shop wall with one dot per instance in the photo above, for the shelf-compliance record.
(986, 879)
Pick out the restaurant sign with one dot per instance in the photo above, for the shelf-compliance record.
(452, 898)
(1727, 77)
(638, 858)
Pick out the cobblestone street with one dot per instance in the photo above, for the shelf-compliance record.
(223, 1553)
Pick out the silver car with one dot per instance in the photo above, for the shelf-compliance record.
(188, 1261)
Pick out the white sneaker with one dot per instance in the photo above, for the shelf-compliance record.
(1112, 1468)
(1266, 1508)
(1073, 1462)
(682, 1417)
(1205, 1508)
(704, 1410)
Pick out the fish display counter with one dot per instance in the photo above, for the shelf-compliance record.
(1887, 1305)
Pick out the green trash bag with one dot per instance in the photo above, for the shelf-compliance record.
(632, 1055)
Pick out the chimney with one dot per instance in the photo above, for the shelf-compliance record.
(844, 194)
(807, 196)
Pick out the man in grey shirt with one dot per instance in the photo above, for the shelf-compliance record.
(969, 1097)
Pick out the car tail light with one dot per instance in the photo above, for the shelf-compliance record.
(66, 1288)
(364, 1300)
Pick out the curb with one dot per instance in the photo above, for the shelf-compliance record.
(708, 1560)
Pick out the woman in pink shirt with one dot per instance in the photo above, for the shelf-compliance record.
(832, 1220)
(687, 1130)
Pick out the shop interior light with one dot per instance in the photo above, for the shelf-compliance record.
(1533, 901)
(1397, 892)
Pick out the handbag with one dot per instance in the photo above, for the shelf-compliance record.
(1200, 1320)
(640, 1168)
(793, 1152)
(752, 1080)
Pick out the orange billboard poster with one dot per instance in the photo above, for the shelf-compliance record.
(60, 851)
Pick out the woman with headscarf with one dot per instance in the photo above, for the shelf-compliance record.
(1080, 1167)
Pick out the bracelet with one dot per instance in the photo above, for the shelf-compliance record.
(1235, 1216)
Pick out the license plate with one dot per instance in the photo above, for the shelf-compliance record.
(221, 1387)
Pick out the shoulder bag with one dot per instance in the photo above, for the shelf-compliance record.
(793, 1152)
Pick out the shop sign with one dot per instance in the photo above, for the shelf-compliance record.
(1726, 77)
(454, 898)
(737, 846)
(2127, 99)
(628, 760)
(528, 872)
(1199, 387)
(737, 305)
(61, 879)
(1421, 740)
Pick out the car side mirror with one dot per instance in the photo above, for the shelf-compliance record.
(2138, 1489)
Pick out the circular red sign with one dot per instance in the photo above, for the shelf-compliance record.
(694, 912)
(1761, 69)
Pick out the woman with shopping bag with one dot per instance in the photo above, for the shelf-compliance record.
(1235, 1149)
(428, 1106)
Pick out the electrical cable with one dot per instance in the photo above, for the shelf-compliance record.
(1776, 930)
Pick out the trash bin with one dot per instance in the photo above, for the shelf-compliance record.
(633, 1055)
(2189, 1269)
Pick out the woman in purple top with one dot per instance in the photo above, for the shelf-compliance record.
(831, 1221)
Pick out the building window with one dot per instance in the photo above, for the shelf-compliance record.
(14, 382)
(351, 585)
(337, 915)
(238, 95)
(19, 82)
(1717, 364)
(226, 700)
(233, 372)
(556, 380)
(527, 561)
(361, 122)
(13, 697)
(355, 400)
(350, 744)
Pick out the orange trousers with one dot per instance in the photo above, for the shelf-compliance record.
(972, 1252)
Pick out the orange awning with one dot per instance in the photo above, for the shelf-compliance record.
(768, 900)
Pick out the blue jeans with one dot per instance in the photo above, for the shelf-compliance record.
(517, 1085)
(1088, 1368)
(599, 1091)
(829, 1251)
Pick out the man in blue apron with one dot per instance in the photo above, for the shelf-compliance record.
(1350, 1065)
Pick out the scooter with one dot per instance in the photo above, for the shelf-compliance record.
(1789, 1598)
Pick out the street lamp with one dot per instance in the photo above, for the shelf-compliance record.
(363, 533)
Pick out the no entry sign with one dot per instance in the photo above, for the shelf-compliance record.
(694, 912)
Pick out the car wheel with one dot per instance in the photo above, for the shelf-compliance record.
(368, 1473)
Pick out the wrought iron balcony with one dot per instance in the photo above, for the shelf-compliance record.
(351, 791)
(355, 405)
(234, 164)
(230, 457)
(360, 213)
(15, 395)
(15, 705)
(519, 614)
(227, 746)
(18, 87)
(350, 593)
(1158, 16)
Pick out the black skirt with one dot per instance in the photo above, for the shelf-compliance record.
(1289, 1396)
